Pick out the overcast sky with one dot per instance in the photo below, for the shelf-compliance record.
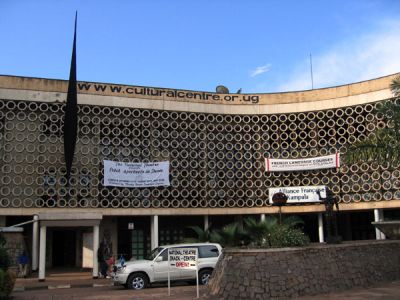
(260, 46)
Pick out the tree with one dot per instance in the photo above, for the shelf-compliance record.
(203, 235)
(260, 232)
(266, 233)
(382, 146)
(230, 235)
(7, 277)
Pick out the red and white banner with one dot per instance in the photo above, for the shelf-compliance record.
(315, 163)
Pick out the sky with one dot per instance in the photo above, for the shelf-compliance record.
(260, 46)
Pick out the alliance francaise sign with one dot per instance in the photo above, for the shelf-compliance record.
(315, 163)
(125, 174)
(299, 194)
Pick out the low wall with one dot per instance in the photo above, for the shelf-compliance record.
(292, 272)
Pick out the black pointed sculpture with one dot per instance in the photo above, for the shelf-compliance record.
(71, 113)
(279, 199)
(331, 201)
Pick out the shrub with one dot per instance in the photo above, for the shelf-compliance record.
(5, 261)
(284, 236)
(266, 233)
(7, 278)
(230, 235)
(202, 235)
(7, 281)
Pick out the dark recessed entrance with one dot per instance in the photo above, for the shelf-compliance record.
(64, 248)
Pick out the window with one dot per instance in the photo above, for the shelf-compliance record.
(208, 251)
(164, 255)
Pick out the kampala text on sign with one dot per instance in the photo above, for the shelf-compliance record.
(299, 194)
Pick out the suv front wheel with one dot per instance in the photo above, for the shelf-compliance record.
(137, 281)
(204, 276)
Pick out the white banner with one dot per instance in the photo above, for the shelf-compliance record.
(315, 163)
(183, 258)
(125, 174)
(299, 194)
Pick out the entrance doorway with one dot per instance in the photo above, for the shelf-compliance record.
(64, 248)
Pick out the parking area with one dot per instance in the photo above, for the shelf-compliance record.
(80, 285)
(177, 292)
(63, 285)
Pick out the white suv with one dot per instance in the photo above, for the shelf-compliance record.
(137, 274)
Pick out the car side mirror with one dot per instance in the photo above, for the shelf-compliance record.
(159, 259)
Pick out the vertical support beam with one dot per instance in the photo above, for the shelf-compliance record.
(42, 253)
(154, 231)
(262, 217)
(35, 243)
(382, 218)
(321, 228)
(206, 223)
(378, 216)
(96, 239)
(2, 221)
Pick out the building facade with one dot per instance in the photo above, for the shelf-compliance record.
(216, 145)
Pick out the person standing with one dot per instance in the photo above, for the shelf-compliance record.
(23, 264)
(102, 259)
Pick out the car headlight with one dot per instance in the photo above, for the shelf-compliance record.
(119, 269)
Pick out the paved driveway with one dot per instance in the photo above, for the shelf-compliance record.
(109, 293)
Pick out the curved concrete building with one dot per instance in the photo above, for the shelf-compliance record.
(215, 146)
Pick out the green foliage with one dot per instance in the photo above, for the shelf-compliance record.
(2, 240)
(257, 230)
(383, 145)
(7, 278)
(5, 261)
(284, 236)
(230, 235)
(292, 221)
(266, 233)
(2, 278)
(261, 232)
(7, 281)
(202, 235)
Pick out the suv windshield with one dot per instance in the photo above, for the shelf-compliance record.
(154, 253)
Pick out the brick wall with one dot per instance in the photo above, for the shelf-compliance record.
(292, 272)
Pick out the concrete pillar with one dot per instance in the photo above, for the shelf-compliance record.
(35, 240)
(262, 217)
(42, 253)
(96, 239)
(378, 216)
(321, 228)
(154, 231)
(206, 223)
